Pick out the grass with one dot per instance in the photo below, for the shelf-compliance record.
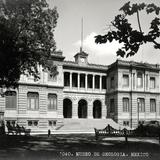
(79, 146)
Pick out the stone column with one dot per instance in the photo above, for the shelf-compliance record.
(86, 80)
(135, 80)
(70, 79)
(90, 109)
(75, 108)
(104, 110)
(93, 82)
(78, 80)
(100, 82)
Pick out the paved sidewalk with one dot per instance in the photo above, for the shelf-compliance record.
(77, 147)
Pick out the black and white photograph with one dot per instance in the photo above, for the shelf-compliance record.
(79, 80)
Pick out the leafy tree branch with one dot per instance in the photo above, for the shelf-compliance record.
(131, 38)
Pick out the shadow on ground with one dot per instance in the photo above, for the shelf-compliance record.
(79, 146)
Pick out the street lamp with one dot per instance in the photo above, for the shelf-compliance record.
(138, 101)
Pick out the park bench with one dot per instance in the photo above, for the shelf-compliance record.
(109, 131)
(18, 130)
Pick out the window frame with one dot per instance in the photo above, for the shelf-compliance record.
(152, 82)
(30, 100)
(52, 96)
(126, 108)
(124, 78)
(152, 107)
(140, 80)
(141, 104)
(11, 100)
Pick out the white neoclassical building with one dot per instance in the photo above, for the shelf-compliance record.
(85, 95)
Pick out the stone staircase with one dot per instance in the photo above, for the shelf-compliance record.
(85, 125)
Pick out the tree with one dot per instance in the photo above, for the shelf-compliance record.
(132, 38)
(26, 39)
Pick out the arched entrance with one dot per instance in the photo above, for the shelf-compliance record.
(97, 109)
(82, 109)
(67, 108)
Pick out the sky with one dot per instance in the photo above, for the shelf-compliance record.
(97, 15)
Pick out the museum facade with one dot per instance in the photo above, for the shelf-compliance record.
(127, 92)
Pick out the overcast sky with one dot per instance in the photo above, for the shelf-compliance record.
(97, 15)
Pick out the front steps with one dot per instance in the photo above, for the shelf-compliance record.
(69, 126)
(86, 125)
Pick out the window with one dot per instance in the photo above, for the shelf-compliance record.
(33, 123)
(74, 80)
(125, 123)
(139, 80)
(90, 81)
(66, 79)
(11, 122)
(52, 102)
(52, 123)
(112, 82)
(152, 82)
(11, 100)
(141, 104)
(97, 82)
(104, 82)
(125, 104)
(82, 80)
(33, 100)
(112, 109)
(152, 105)
(125, 80)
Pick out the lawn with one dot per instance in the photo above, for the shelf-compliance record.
(77, 146)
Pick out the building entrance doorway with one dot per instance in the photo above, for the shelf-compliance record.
(97, 109)
(82, 109)
(67, 108)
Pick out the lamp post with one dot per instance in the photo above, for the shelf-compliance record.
(138, 101)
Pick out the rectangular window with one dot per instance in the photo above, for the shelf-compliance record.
(152, 82)
(152, 105)
(112, 107)
(139, 80)
(11, 99)
(112, 82)
(66, 79)
(52, 102)
(97, 82)
(74, 80)
(125, 104)
(125, 123)
(141, 104)
(82, 80)
(33, 100)
(104, 82)
(126, 80)
(90, 81)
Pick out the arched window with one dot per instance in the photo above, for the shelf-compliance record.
(11, 100)
(82, 109)
(97, 109)
(33, 100)
(67, 108)
(52, 101)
